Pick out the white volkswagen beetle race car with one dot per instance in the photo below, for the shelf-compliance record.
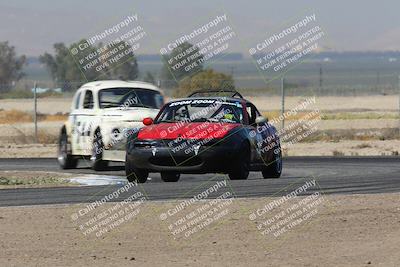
(103, 114)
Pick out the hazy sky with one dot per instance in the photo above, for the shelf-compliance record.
(34, 26)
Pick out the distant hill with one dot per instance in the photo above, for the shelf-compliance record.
(377, 71)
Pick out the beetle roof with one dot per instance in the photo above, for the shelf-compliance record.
(98, 85)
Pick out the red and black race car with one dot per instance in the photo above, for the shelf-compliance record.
(204, 134)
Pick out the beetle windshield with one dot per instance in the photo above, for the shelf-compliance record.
(130, 97)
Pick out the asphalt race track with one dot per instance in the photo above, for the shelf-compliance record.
(334, 175)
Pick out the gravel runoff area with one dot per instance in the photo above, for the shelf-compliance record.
(356, 230)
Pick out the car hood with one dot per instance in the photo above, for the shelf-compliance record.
(129, 114)
(193, 130)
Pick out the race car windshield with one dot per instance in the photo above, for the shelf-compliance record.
(201, 110)
(130, 97)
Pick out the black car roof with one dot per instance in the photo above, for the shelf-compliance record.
(230, 99)
(226, 93)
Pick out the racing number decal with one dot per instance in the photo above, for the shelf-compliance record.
(83, 128)
(80, 130)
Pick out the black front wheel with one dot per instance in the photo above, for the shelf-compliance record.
(96, 159)
(133, 174)
(274, 168)
(170, 176)
(64, 156)
(241, 167)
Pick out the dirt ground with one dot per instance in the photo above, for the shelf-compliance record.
(332, 103)
(346, 148)
(44, 105)
(358, 230)
(9, 150)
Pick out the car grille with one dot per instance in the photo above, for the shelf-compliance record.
(175, 161)
(149, 144)
(145, 144)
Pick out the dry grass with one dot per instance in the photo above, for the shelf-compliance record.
(13, 116)
(17, 116)
(363, 145)
(359, 115)
(352, 134)
(55, 117)
(336, 116)
(29, 179)
(46, 138)
(276, 113)
(334, 135)
(6, 181)
(337, 153)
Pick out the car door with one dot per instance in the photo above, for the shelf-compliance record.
(73, 118)
(262, 137)
(87, 121)
(81, 120)
(266, 137)
(254, 137)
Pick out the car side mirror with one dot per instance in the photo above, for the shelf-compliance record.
(261, 120)
(147, 121)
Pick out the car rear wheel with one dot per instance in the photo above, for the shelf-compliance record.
(64, 157)
(241, 166)
(96, 160)
(274, 169)
(170, 176)
(134, 174)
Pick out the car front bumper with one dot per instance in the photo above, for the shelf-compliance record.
(210, 158)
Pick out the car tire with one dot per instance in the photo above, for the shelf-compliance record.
(274, 169)
(96, 159)
(64, 157)
(170, 176)
(134, 174)
(241, 167)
